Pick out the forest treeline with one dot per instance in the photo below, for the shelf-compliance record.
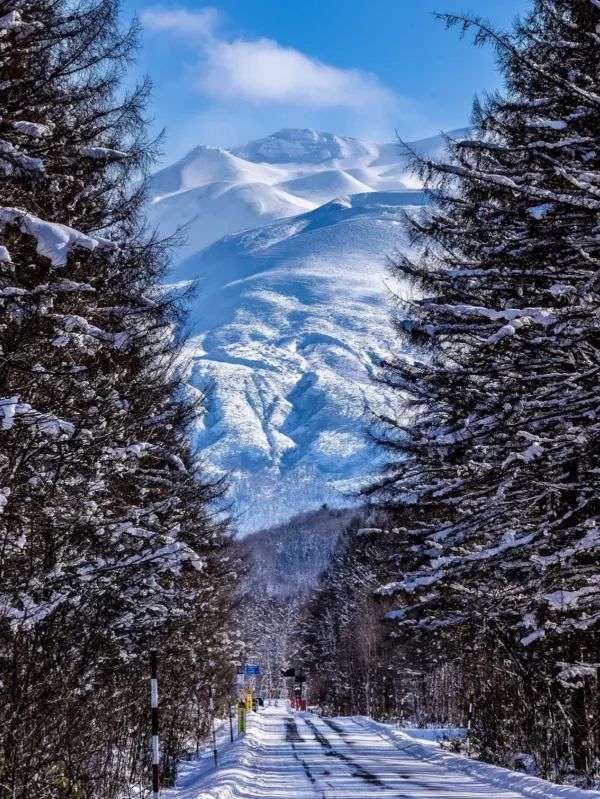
(109, 540)
(486, 566)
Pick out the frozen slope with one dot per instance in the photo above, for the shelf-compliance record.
(289, 322)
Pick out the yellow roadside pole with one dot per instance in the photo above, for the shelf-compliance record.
(249, 698)
(241, 717)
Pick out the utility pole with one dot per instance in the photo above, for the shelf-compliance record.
(154, 711)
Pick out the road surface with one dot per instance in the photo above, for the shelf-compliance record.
(287, 755)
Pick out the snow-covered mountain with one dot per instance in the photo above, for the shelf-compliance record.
(216, 192)
(288, 238)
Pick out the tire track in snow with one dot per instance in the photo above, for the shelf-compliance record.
(337, 728)
(346, 736)
(292, 735)
(359, 771)
(291, 731)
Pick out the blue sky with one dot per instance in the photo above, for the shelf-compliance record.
(234, 70)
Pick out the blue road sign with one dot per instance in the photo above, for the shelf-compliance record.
(251, 671)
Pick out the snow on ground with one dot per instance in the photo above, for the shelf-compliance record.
(288, 240)
(503, 779)
(300, 756)
(433, 734)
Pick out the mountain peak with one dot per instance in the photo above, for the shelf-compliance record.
(302, 145)
(293, 133)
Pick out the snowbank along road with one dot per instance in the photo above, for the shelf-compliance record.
(288, 755)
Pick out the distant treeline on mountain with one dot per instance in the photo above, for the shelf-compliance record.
(287, 560)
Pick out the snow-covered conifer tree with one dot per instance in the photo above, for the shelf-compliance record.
(107, 542)
(495, 466)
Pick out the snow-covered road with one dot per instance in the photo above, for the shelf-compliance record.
(287, 755)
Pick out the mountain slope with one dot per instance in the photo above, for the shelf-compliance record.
(286, 560)
(290, 322)
(216, 192)
(291, 315)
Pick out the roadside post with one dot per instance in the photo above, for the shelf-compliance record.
(211, 710)
(241, 717)
(470, 720)
(250, 670)
(234, 709)
(154, 712)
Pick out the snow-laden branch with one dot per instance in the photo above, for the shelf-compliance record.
(104, 154)
(54, 241)
(11, 407)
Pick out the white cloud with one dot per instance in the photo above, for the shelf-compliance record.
(262, 72)
(180, 21)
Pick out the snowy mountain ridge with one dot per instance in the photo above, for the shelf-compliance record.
(288, 239)
(217, 192)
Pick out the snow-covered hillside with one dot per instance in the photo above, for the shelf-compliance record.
(287, 239)
(216, 192)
